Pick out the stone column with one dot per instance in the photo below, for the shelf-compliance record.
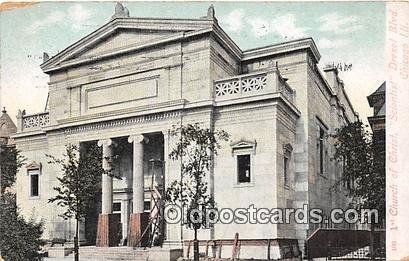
(108, 223)
(137, 169)
(138, 219)
(107, 185)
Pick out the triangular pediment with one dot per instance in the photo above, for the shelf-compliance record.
(122, 39)
(244, 144)
(33, 166)
(124, 34)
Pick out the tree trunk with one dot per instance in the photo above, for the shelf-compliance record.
(195, 247)
(76, 247)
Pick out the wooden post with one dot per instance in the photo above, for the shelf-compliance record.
(220, 250)
(235, 246)
(268, 249)
(188, 249)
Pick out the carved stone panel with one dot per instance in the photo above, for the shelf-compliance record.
(120, 92)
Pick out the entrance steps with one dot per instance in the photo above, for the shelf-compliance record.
(92, 253)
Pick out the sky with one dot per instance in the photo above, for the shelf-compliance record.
(351, 33)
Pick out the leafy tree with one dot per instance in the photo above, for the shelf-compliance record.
(20, 240)
(79, 183)
(363, 168)
(196, 150)
(10, 161)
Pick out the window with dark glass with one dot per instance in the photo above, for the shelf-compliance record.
(34, 185)
(321, 141)
(285, 170)
(116, 207)
(243, 168)
(147, 206)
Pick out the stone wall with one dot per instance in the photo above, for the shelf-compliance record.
(240, 123)
(35, 150)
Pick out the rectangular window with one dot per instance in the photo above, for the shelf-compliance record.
(147, 206)
(243, 168)
(34, 184)
(286, 171)
(116, 207)
(321, 150)
(287, 150)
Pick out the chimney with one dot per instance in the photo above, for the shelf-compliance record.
(331, 75)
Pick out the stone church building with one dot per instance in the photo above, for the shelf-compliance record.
(133, 79)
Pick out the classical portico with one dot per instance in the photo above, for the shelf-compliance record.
(137, 221)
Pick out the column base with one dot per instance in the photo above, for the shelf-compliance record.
(108, 230)
(137, 225)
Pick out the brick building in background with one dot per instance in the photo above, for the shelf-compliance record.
(7, 129)
(377, 121)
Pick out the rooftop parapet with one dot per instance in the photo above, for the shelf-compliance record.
(31, 122)
(252, 84)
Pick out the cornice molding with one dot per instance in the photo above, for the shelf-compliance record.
(123, 122)
(183, 28)
(64, 62)
(285, 47)
(129, 112)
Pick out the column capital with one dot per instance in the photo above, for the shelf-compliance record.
(105, 142)
(138, 138)
(166, 132)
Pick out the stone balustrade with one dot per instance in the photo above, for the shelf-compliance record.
(252, 84)
(242, 84)
(33, 121)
